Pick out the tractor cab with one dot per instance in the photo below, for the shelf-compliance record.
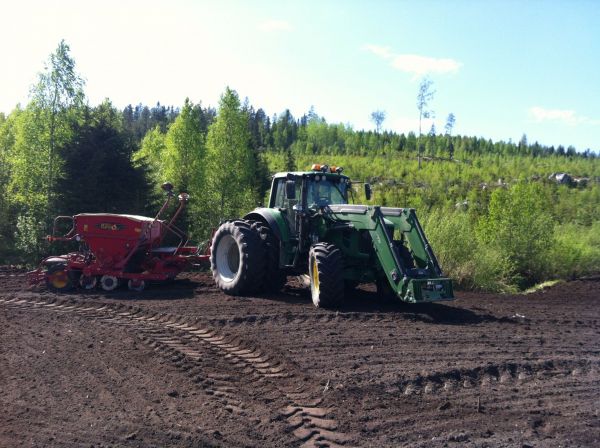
(319, 187)
(296, 194)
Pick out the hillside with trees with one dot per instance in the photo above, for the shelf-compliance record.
(495, 212)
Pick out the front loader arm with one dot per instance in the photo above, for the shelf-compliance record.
(422, 283)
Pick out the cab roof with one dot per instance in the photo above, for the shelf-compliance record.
(307, 173)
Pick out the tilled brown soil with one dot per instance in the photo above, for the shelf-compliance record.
(184, 365)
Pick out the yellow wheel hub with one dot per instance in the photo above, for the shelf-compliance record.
(59, 279)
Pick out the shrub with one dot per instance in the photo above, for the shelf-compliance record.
(469, 262)
(519, 227)
(576, 251)
(29, 237)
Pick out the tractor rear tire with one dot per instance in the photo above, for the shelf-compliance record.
(274, 278)
(58, 278)
(326, 272)
(350, 286)
(237, 258)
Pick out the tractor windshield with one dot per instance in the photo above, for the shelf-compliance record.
(322, 191)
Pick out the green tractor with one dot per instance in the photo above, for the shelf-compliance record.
(310, 228)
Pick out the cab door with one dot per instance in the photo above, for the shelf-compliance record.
(285, 204)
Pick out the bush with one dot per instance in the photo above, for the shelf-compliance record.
(29, 238)
(576, 251)
(493, 271)
(451, 237)
(469, 262)
(519, 227)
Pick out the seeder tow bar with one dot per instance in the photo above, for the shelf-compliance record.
(114, 249)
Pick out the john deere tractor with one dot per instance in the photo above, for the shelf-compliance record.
(310, 228)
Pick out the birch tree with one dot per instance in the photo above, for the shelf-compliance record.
(230, 162)
(58, 90)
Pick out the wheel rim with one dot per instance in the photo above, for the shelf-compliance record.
(109, 282)
(136, 285)
(59, 279)
(314, 281)
(227, 258)
(88, 282)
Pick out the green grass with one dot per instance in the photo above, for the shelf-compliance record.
(541, 286)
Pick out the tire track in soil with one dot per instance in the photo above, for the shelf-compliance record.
(507, 406)
(556, 375)
(468, 411)
(317, 317)
(186, 345)
(540, 364)
(504, 374)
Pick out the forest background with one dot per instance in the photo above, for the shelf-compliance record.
(496, 216)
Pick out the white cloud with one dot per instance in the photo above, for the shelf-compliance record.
(378, 50)
(275, 25)
(413, 63)
(565, 116)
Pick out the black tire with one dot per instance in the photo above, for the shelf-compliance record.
(385, 293)
(274, 278)
(237, 258)
(58, 278)
(350, 285)
(326, 272)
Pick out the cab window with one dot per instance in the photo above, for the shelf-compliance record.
(280, 201)
(324, 192)
(279, 189)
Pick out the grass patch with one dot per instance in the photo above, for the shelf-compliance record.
(541, 286)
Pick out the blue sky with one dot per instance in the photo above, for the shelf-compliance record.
(503, 68)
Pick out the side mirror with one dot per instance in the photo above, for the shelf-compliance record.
(368, 191)
(290, 189)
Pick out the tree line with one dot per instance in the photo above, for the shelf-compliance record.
(61, 156)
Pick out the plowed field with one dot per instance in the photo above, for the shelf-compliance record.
(185, 365)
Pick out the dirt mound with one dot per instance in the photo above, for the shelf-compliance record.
(184, 365)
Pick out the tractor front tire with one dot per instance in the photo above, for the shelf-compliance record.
(237, 258)
(326, 272)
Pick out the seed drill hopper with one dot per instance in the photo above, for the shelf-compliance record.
(114, 249)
